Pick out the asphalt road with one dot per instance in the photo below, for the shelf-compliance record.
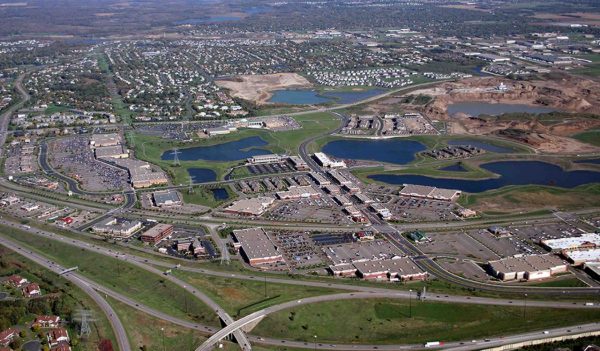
(83, 284)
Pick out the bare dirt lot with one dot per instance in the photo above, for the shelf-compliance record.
(258, 88)
(578, 98)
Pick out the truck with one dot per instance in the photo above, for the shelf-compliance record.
(433, 344)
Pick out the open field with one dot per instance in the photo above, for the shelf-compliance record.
(258, 88)
(203, 196)
(148, 288)
(74, 298)
(387, 321)
(242, 297)
(589, 137)
(154, 333)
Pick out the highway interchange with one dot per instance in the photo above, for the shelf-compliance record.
(235, 326)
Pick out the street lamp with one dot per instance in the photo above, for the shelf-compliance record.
(314, 336)
(410, 303)
(163, 338)
(524, 306)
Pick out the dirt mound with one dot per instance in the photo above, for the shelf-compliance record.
(258, 88)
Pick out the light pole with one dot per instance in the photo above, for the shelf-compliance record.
(163, 338)
(525, 306)
(314, 336)
(410, 303)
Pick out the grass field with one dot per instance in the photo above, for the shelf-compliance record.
(150, 148)
(387, 321)
(136, 283)
(13, 263)
(562, 283)
(590, 137)
(203, 196)
(241, 297)
(153, 333)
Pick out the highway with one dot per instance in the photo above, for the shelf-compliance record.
(83, 284)
(218, 335)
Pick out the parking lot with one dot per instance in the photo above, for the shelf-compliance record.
(298, 248)
(74, 158)
(457, 245)
(309, 210)
(409, 209)
(269, 168)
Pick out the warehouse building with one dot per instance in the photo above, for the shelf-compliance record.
(115, 151)
(256, 247)
(579, 257)
(100, 140)
(299, 164)
(270, 158)
(324, 161)
(250, 207)
(527, 267)
(396, 269)
(584, 241)
(429, 192)
(320, 179)
(157, 233)
(165, 198)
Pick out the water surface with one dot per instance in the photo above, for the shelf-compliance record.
(396, 151)
(202, 175)
(229, 151)
(510, 172)
(220, 194)
(313, 97)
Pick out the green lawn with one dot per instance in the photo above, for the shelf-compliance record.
(387, 321)
(127, 279)
(590, 137)
(150, 148)
(202, 195)
(241, 297)
(51, 109)
(72, 297)
(562, 283)
(156, 334)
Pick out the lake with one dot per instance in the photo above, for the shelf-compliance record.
(312, 97)
(202, 175)
(482, 145)
(510, 172)
(595, 161)
(396, 151)
(484, 108)
(220, 194)
(229, 151)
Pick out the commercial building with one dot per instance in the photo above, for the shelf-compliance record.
(593, 269)
(256, 247)
(324, 161)
(320, 179)
(271, 158)
(219, 130)
(250, 207)
(342, 200)
(396, 269)
(165, 198)
(141, 174)
(584, 241)
(381, 210)
(119, 228)
(527, 267)
(115, 151)
(339, 178)
(190, 245)
(157, 233)
(363, 199)
(429, 192)
(362, 251)
(100, 140)
(298, 192)
(298, 163)
(579, 257)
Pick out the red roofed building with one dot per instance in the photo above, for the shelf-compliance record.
(58, 336)
(61, 347)
(32, 290)
(47, 321)
(65, 221)
(16, 281)
(105, 345)
(7, 336)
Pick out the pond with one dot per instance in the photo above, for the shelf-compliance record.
(313, 97)
(229, 151)
(220, 194)
(510, 173)
(482, 145)
(396, 151)
(202, 175)
(474, 108)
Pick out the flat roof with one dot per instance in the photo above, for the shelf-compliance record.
(255, 206)
(354, 252)
(400, 266)
(256, 243)
(157, 230)
(166, 196)
(583, 255)
(572, 242)
(526, 263)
